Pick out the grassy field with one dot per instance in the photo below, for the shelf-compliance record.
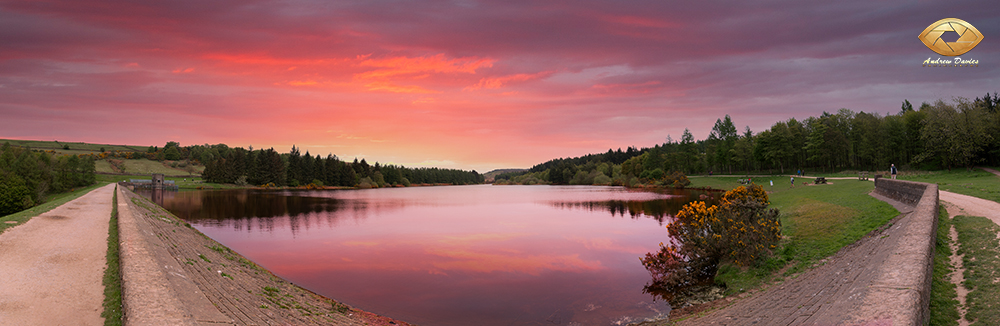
(817, 221)
(148, 167)
(726, 183)
(74, 148)
(51, 202)
(976, 183)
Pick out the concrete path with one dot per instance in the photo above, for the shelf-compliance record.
(52, 267)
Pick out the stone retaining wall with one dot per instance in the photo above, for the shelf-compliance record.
(901, 292)
(908, 192)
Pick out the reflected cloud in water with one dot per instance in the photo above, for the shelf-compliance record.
(483, 255)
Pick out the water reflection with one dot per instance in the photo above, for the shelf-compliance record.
(658, 209)
(482, 255)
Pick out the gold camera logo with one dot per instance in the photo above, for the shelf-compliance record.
(968, 37)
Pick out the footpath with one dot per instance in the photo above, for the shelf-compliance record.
(52, 267)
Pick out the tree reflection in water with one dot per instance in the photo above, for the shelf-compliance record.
(658, 209)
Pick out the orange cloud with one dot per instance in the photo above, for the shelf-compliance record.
(392, 88)
(396, 66)
(388, 72)
(303, 83)
(497, 82)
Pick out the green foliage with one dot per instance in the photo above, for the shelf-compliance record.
(27, 176)
(943, 135)
(956, 135)
(740, 229)
(296, 169)
(172, 154)
(14, 194)
(366, 183)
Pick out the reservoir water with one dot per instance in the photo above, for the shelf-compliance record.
(453, 255)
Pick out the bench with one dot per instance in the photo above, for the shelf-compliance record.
(862, 176)
(820, 180)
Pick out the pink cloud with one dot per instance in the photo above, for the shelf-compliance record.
(498, 82)
(570, 78)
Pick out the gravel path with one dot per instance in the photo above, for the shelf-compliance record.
(973, 206)
(52, 266)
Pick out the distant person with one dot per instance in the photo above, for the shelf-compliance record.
(793, 181)
(892, 170)
(800, 172)
(772, 183)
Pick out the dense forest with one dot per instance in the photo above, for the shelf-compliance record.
(27, 176)
(942, 135)
(267, 167)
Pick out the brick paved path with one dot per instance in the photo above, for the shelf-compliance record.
(823, 295)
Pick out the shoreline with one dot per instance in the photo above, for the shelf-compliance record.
(200, 280)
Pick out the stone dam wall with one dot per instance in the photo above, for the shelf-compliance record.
(902, 291)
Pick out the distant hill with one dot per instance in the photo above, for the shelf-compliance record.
(493, 174)
(72, 148)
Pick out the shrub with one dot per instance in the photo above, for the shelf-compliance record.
(14, 194)
(365, 183)
(602, 179)
(740, 229)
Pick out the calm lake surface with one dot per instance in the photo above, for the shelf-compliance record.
(454, 255)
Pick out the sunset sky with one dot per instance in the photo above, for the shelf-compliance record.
(463, 84)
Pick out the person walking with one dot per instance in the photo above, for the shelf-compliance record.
(793, 181)
(892, 170)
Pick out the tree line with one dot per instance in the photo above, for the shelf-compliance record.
(28, 176)
(267, 167)
(942, 135)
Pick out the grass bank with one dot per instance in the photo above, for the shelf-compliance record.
(977, 237)
(817, 221)
(943, 303)
(112, 274)
(52, 201)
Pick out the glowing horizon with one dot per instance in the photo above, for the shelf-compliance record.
(466, 84)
